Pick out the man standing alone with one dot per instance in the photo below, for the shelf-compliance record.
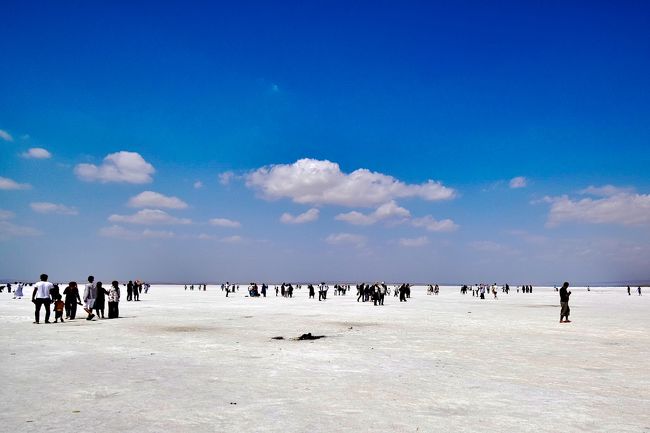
(564, 303)
(41, 296)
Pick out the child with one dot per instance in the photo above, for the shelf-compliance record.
(59, 305)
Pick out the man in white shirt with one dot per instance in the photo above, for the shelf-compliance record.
(41, 296)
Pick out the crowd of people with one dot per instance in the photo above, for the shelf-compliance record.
(95, 297)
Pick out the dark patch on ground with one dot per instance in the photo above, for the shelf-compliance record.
(308, 336)
(277, 338)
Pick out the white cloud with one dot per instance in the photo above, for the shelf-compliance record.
(10, 184)
(387, 211)
(605, 190)
(198, 184)
(6, 214)
(120, 232)
(311, 181)
(346, 239)
(152, 199)
(128, 167)
(37, 153)
(226, 177)
(45, 207)
(305, 217)
(4, 135)
(232, 240)
(518, 182)
(433, 225)
(623, 208)
(225, 222)
(414, 242)
(149, 216)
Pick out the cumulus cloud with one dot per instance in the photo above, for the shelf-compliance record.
(126, 167)
(387, 211)
(226, 177)
(152, 199)
(433, 225)
(311, 181)
(305, 217)
(346, 239)
(4, 135)
(198, 184)
(414, 242)
(149, 216)
(119, 232)
(616, 206)
(225, 222)
(46, 207)
(518, 182)
(36, 153)
(10, 184)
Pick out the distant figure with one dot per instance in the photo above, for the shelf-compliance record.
(18, 293)
(129, 291)
(564, 303)
(628, 291)
(402, 293)
(137, 288)
(383, 289)
(482, 292)
(89, 297)
(312, 292)
(322, 291)
(72, 299)
(639, 290)
(114, 300)
(41, 297)
(59, 306)
(264, 289)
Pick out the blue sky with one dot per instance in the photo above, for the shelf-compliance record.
(532, 123)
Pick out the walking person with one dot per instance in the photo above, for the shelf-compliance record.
(59, 306)
(41, 297)
(72, 299)
(564, 303)
(114, 300)
(90, 292)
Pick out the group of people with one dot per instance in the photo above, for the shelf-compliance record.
(46, 294)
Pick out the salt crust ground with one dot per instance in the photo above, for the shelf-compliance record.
(178, 361)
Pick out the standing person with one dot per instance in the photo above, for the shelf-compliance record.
(129, 291)
(402, 293)
(312, 292)
(628, 291)
(639, 290)
(100, 300)
(137, 286)
(564, 303)
(72, 299)
(90, 292)
(18, 293)
(41, 296)
(264, 288)
(113, 300)
(383, 289)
